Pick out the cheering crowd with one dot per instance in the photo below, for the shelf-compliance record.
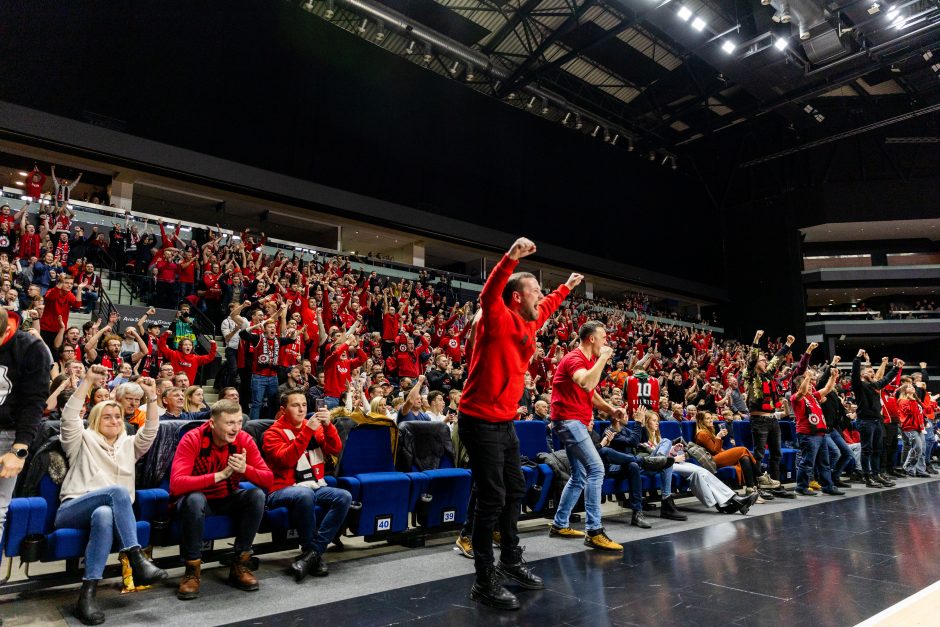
(302, 333)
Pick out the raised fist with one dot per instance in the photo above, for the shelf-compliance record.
(522, 247)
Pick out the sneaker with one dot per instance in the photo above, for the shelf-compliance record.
(872, 482)
(766, 495)
(639, 520)
(807, 492)
(567, 532)
(497, 538)
(783, 493)
(814, 485)
(764, 481)
(465, 546)
(885, 481)
(598, 540)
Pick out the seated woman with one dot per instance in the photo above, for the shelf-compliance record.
(708, 488)
(738, 457)
(194, 399)
(98, 491)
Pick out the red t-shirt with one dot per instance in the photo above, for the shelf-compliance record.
(809, 415)
(188, 273)
(569, 401)
(166, 271)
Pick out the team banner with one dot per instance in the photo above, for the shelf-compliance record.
(128, 315)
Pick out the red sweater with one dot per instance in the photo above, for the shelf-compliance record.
(283, 453)
(185, 363)
(194, 472)
(337, 370)
(503, 345)
(912, 416)
(58, 302)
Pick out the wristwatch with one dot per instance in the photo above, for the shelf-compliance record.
(22, 453)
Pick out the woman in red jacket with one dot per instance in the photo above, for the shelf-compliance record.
(913, 429)
(294, 447)
(185, 360)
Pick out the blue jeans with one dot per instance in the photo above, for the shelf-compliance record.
(89, 300)
(666, 474)
(262, 389)
(332, 402)
(838, 451)
(914, 450)
(813, 450)
(301, 501)
(929, 442)
(587, 475)
(109, 516)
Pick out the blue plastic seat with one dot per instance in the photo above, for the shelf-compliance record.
(532, 441)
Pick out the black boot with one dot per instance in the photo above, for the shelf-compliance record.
(144, 571)
(519, 571)
(669, 510)
(488, 589)
(639, 520)
(871, 482)
(740, 504)
(309, 562)
(87, 609)
(885, 481)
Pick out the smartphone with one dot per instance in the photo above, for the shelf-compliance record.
(321, 404)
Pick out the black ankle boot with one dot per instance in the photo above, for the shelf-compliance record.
(519, 571)
(488, 589)
(639, 520)
(669, 510)
(871, 482)
(144, 571)
(307, 562)
(87, 609)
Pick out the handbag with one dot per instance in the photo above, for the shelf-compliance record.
(702, 457)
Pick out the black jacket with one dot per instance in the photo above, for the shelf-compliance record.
(867, 395)
(24, 382)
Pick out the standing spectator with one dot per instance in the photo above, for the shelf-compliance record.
(912, 428)
(338, 367)
(34, 183)
(58, 301)
(63, 189)
(866, 389)
(263, 365)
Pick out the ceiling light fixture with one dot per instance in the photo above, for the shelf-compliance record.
(698, 24)
(595, 131)
(470, 73)
(567, 117)
(361, 29)
(781, 43)
(684, 13)
(577, 121)
(330, 11)
(454, 68)
(892, 14)
(544, 106)
(874, 8)
(728, 46)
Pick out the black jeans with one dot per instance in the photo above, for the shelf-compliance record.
(245, 506)
(766, 431)
(889, 445)
(747, 469)
(500, 487)
(871, 433)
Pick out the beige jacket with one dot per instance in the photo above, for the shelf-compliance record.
(95, 464)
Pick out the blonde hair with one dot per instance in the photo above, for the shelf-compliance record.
(94, 416)
(376, 404)
(648, 417)
(188, 405)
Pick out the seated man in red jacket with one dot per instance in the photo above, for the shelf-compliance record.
(295, 446)
(209, 464)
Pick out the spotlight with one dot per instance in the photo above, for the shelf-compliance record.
(380, 34)
(21, 173)
(928, 55)
(454, 68)
(564, 122)
(684, 13)
(819, 117)
(808, 108)
(512, 95)
(470, 74)
(330, 11)
(411, 47)
(361, 29)
(613, 142)
(428, 55)
(577, 121)
(652, 156)
(531, 103)
(728, 46)
(596, 131)
(698, 24)
(630, 146)
(673, 165)
(785, 14)
(308, 5)
(765, 2)
(781, 43)
(606, 136)
(544, 106)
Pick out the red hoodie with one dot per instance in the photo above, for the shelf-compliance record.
(283, 450)
(912, 416)
(185, 363)
(337, 370)
(503, 345)
(197, 459)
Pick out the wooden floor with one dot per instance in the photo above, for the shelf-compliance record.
(921, 609)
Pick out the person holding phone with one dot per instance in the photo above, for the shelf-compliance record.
(294, 447)
(208, 467)
(738, 457)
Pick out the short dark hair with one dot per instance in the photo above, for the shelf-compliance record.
(285, 396)
(589, 328)
(433, 396)
(514, 284)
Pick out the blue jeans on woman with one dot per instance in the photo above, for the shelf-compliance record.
(301, 501)
(665, 474)
(109, 516)
(587, 475)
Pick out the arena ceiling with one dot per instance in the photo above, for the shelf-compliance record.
(658, 76)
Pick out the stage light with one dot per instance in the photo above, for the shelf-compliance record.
(630, 146)
(380, 34)
(698, 24)
(330, 11)
(785, 14)
(781, 43)
(564, 122)
(577, 121)
(361, 29)
(613, 142)
(652, 156)
(596, 131)
(23, 173)
(308, 5)
(544, 106)
(808, 108)
(684, 13)
(411, 47)
(531, 103)
(728, 46)
(928, 55)
(874, 8)
(470, 74)
(453, 69)
(819, 117)
(428, 55)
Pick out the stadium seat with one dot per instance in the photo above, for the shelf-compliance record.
(447, 486)
(367, 471)
(671, 430)
(532, 441)
(687, 426)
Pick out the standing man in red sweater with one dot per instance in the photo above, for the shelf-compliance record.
(338, 367)
(513, 310)
(59, 301)
(209, 465)
(295, 447)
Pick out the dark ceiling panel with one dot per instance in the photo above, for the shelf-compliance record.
(440, 19)
(623, 59)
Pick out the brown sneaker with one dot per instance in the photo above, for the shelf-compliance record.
(601, 542)
(239, 576)
(567, 532)
(497, 538)
(465, 546)
(189, 584)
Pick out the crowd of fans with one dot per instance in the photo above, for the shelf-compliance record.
(302, 332)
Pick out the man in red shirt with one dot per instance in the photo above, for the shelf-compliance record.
(573, 403)
(208, 467)
(58, 301)
(513, 310)
(264, 356)
(811, 432)
(338, 367)
(295, 446)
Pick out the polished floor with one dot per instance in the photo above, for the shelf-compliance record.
(836, 563)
